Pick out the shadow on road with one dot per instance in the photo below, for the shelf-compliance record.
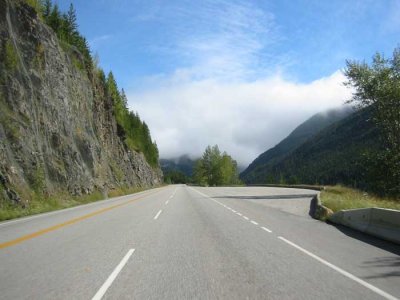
(369, 239)
(384, 262)
(266, 197)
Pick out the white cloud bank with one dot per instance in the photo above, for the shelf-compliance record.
(226, 86)
(243, 118)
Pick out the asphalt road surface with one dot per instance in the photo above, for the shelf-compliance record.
(180, 242)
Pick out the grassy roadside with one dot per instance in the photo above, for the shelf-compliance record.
(63, 200)
(338, 198)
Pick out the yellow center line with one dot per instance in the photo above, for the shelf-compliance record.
(70, 222)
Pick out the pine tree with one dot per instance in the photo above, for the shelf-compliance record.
(124, 99)
(46, 8)
(54, 19)
(71, 18)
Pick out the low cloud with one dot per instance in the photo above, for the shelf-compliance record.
(244, 118)
(226, 86)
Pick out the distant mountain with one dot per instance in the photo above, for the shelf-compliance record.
(262, 167)
(337, 155)
(183, 164)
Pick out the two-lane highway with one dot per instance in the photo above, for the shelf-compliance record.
(181, 242)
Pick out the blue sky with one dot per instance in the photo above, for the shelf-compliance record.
(304, 39)
(172, 55)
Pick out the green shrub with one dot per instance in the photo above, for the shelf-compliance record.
(11, 58)
(36, 4)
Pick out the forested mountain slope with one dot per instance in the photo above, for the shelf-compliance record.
(183, 164)
(338, 154)
(261, 168)
(64, 125)
(178, 170)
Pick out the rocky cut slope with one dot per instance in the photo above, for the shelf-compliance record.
(58, 131)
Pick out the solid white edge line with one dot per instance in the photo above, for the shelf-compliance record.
(100, 293)
(341, 271)
(204, 195)
(158, 214)
(254, 222)
(266, 229)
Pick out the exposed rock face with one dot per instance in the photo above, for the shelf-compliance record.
(57, 128)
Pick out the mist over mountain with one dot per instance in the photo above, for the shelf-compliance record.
(339, 154)
(263, 166)
(183, 164)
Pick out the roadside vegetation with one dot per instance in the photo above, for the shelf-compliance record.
(339, 198)
(41, 204)
(212, 169)
(176, 177)
(377, 86)
(215, 168)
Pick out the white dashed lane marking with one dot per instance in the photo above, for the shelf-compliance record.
(158, 214)
(103, 289)
(266, 229)
(332, 266)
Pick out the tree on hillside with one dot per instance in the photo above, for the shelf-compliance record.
(54, 19)
(46, 8)
(215, 168)
(71, 19)
(378, 86)
(70, 26)
(131, 129)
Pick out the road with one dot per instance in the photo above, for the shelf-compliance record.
(180, 242)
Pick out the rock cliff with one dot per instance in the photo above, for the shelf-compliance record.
(58, 131)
